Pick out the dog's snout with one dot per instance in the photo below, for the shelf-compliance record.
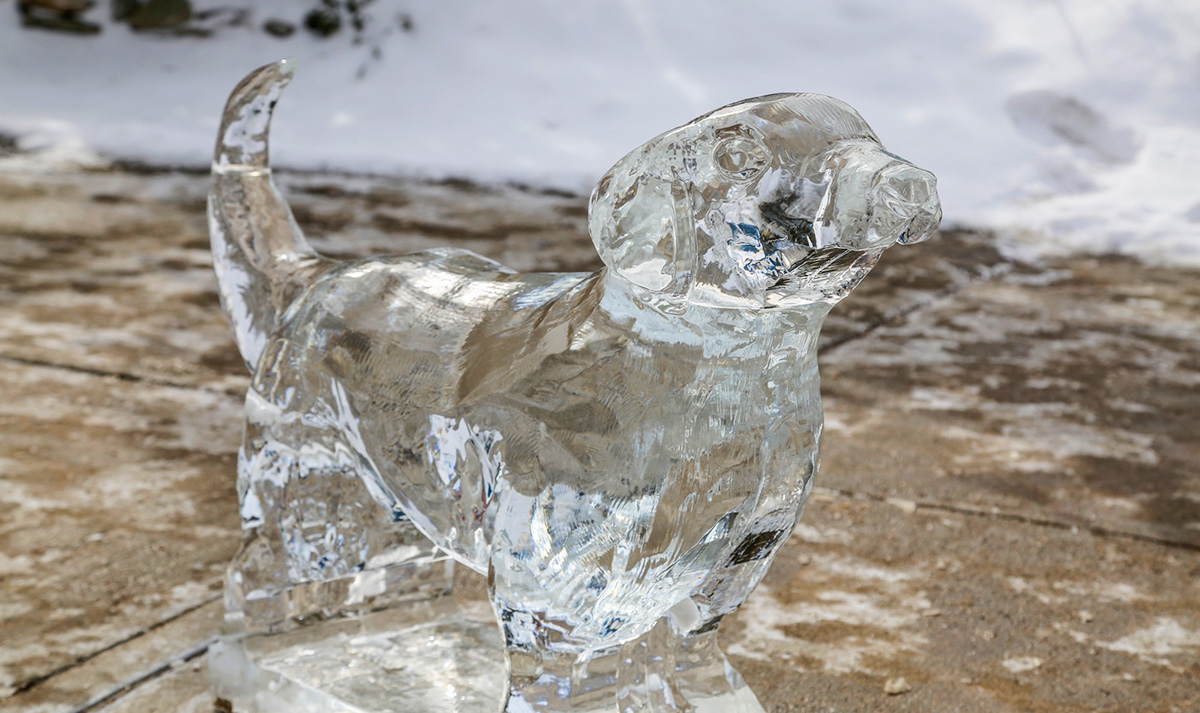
(907, 207)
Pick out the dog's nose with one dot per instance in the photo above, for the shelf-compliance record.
(907, 209)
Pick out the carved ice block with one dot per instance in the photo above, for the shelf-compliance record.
(620, 453)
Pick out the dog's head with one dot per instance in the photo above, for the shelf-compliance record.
(778, 201)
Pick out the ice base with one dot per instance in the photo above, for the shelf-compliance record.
(447, 656)
(430, 658)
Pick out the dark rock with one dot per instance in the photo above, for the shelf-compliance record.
(211, 20)
(122, 9)
(58, 23)
(58, 7)
(279, 28)
(160, 15)
(323, 21)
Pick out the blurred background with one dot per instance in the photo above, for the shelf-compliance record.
(1074, 123)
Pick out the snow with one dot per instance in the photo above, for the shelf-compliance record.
(1067, 124)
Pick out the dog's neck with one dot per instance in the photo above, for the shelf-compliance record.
(720, 331)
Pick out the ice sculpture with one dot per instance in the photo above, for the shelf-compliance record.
(620, 453)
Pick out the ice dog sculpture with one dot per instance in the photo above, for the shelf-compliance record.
(621, 453)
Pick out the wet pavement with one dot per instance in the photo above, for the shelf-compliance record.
(1008, 516)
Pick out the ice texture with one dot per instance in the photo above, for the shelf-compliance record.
(621, 453)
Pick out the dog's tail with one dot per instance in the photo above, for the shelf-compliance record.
(261, 258)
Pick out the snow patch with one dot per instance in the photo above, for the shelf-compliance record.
(1088, 591)
(45, 146)
(1021, 664)
(820, 535)
(1068, 125)
(1157, 643)
(878, 603)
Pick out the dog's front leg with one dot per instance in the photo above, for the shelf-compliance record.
(676, 667)
(547, 675)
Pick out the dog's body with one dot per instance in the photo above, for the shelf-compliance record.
(606, 447)
(535, 427)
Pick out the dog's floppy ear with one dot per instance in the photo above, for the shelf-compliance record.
(641, 219)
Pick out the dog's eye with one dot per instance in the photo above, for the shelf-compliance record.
(740, 157)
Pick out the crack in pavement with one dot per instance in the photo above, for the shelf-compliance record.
(997, 514)
(36, 681)
(122, 375)
(150, 675)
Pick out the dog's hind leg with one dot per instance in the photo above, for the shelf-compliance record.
(261, 258)
(315, 543)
